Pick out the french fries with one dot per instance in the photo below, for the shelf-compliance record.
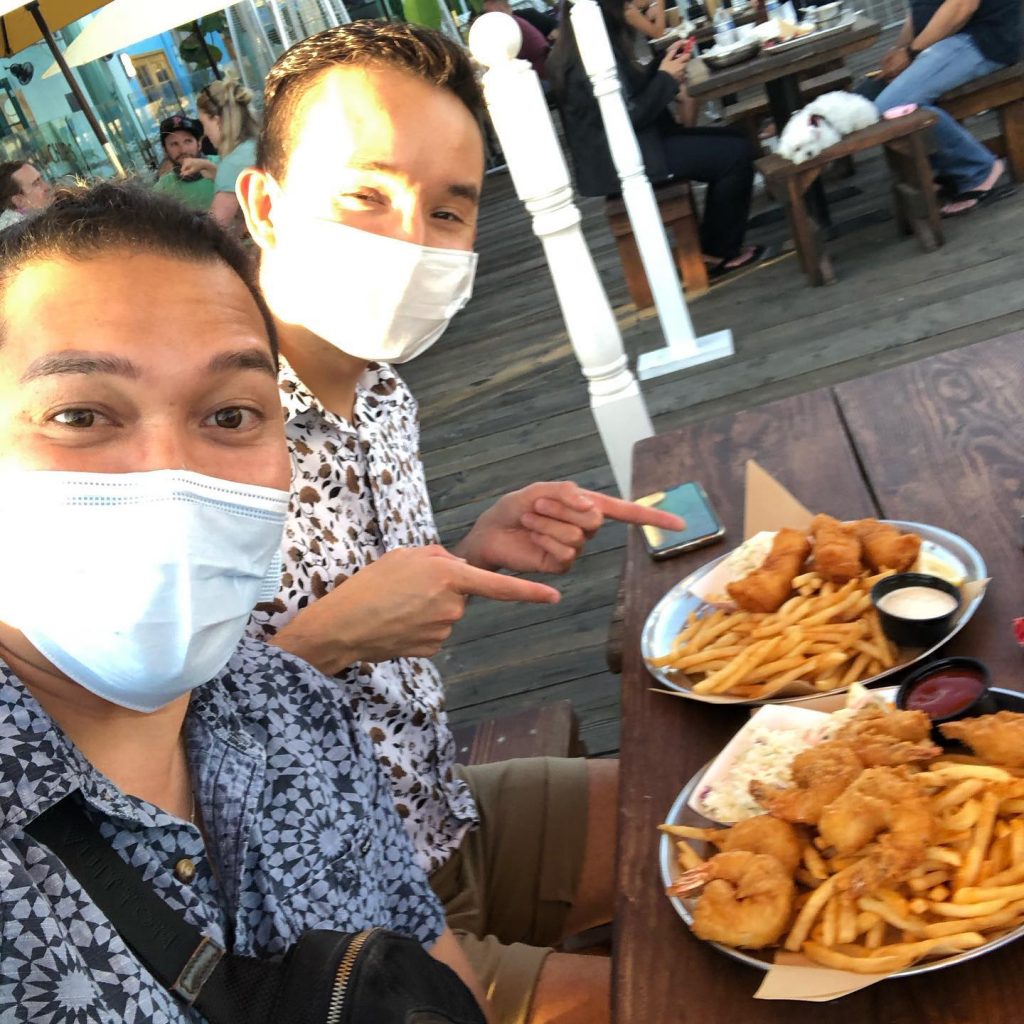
(967, 890)
(826, 636)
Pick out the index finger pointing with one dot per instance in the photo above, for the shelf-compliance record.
(631, 512)
(483, 583)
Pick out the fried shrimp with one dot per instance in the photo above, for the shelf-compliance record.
(763, 834)
(837, 549)
(889, 737)
(885, 547)
(997, 738)
(820, 774)
(883, 806)
(747, 899)
(767, 588)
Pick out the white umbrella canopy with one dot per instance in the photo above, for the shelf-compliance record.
(123, 22)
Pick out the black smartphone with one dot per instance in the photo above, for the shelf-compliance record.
(702, 523)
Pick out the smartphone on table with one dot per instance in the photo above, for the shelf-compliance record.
(691, 503)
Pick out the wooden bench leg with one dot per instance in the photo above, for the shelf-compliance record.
(689, 259)
(806, 237)
(916, 205)
(1011, 120)
(633, 269)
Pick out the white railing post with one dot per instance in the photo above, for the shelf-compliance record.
(522, 121)
(684, 348)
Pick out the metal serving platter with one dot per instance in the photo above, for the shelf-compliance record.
(735, 53)
(682, 814)
(847, 23)
(670, 613)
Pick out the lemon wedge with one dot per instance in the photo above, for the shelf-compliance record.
(934, 565)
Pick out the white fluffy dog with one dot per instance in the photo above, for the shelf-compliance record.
(823, 123)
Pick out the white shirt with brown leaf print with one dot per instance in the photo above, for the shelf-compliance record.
(358, 491)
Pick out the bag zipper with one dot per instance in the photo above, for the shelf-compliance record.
(348, 961)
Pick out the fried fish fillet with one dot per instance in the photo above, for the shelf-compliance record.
(767, 588)
(837, 549)
(885, 547)
(997, 738)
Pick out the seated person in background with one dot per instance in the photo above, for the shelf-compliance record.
(350, 175)
(229, 124)
(143, 476)
(181, 138)
(535, 44)
(944, 44)
(543, 21)
(722, 157)
(23, 190)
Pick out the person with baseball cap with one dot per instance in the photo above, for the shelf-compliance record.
(181, 137)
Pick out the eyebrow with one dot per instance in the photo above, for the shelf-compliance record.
(57, 363)
(457, 190)
(244, 359)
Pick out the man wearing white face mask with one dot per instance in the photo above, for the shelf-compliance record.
(364, 206)
(142, 500)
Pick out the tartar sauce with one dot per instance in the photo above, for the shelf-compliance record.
(917, 603)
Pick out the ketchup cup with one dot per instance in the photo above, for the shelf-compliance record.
(947, 690)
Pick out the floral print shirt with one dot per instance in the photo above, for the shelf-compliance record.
(302, 834)
(358, 491)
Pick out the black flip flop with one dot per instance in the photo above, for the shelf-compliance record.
(1000, 190)
(716, 273)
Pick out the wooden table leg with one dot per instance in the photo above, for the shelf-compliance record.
(1011, 121)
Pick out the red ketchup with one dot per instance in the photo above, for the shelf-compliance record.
(945, 693)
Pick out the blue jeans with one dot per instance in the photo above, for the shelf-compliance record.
(949, 63)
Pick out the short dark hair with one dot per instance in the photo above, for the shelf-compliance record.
(9, 188)
(87, 221)
(427, 54)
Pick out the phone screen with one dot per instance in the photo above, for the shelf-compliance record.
(689, 501)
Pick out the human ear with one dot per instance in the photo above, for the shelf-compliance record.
(256, 201)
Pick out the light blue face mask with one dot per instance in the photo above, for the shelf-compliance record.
(136, 585)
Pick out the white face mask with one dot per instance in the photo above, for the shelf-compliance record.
(374, 297)
(136, 585)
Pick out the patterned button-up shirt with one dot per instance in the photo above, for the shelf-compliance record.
(301, 828)
(358, 490)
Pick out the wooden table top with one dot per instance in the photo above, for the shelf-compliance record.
(939, 441)
(769, 66)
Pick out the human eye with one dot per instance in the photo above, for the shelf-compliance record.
(235, 418)
(78, 418)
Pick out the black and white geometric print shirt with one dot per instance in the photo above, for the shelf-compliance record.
(301, 827)
(358, 491)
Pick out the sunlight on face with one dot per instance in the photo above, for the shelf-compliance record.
(147, 362)
(384, 151)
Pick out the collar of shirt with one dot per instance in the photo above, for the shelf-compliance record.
(377, 389)
(39, 765)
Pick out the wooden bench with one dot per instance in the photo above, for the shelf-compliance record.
(1003, 93)
(747, 114)
(675, 204)
(906, 145)
(547, 731)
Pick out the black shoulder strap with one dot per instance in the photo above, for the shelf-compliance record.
(178, 955)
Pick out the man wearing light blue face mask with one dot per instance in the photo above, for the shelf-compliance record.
(142, 477)
(364, 206)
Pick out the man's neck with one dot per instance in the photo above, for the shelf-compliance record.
(142, 754)
(330, 374)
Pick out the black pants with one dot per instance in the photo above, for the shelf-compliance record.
(724, 159)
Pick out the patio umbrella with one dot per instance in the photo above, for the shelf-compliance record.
(123, 22)
(22, 24)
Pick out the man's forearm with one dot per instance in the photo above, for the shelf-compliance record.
(321, 648)
(906, 35)
(952, 16)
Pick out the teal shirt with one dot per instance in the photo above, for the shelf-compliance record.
(232, 165)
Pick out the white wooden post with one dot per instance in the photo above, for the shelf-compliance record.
(684, 348)
(522, 121)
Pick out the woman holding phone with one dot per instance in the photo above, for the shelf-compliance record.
(721, 157)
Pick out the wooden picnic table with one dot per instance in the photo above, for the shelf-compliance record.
(939, 441)
(780, 73)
